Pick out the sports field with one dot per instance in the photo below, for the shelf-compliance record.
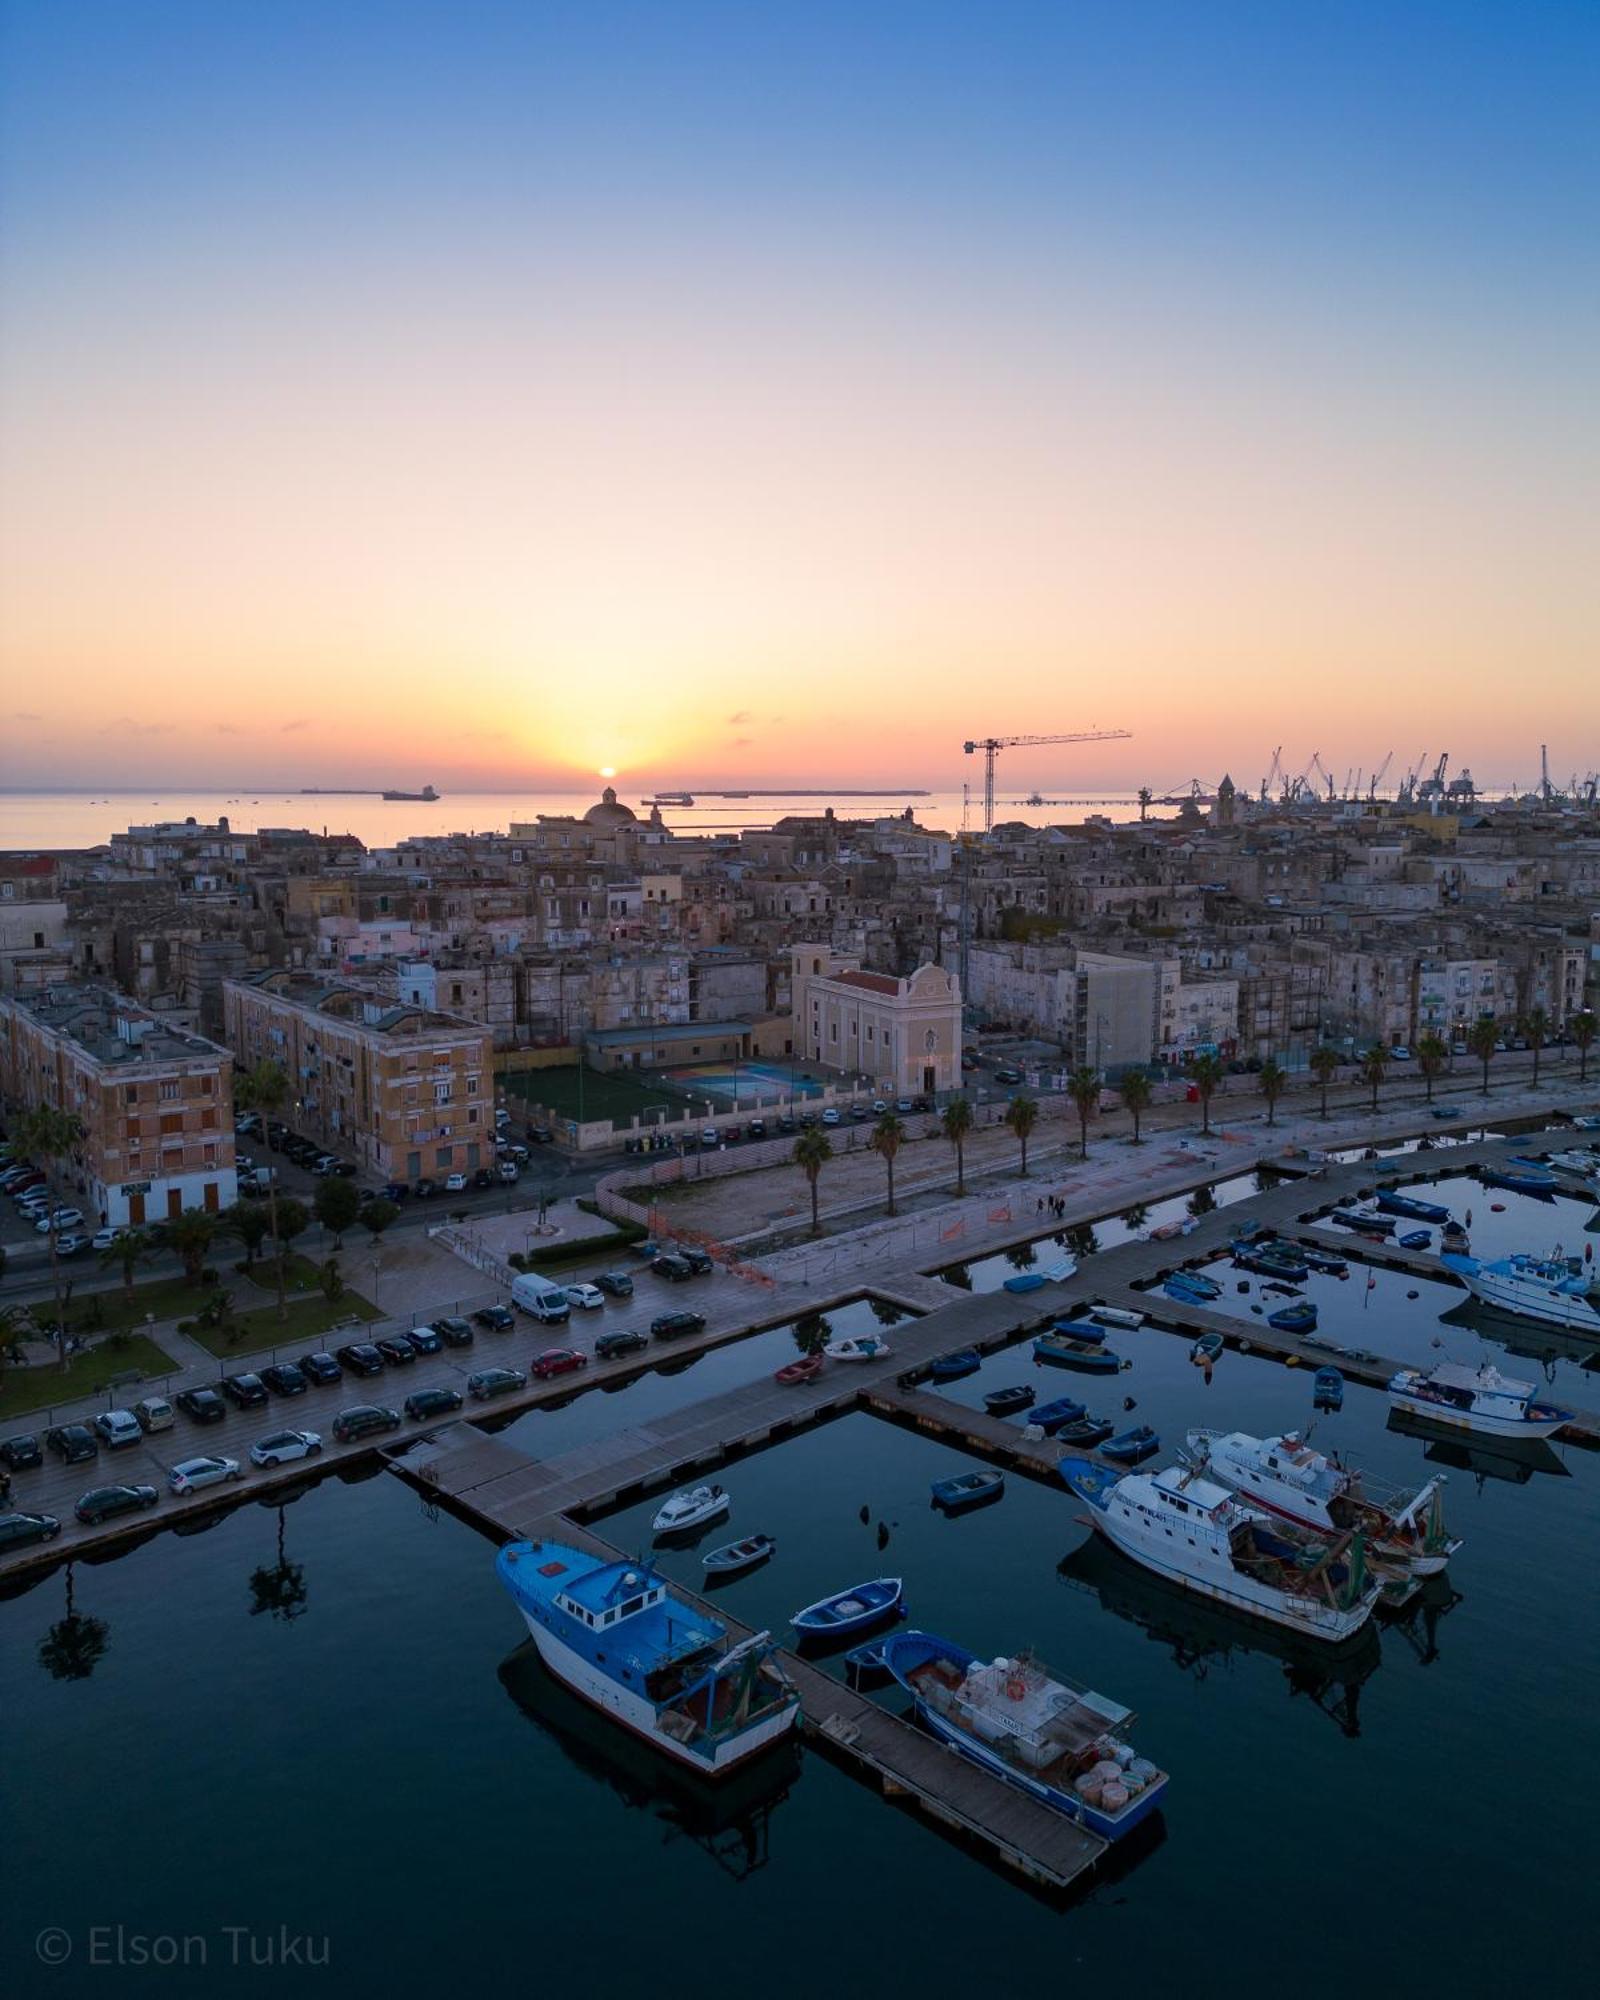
(722, 1079)
(615, 1094)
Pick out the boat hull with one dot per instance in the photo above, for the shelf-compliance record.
(1522, 1300)
(1483, 1422)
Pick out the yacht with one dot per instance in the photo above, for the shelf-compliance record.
(1190, 1529)
(1475, 1399)
(859, 1347)
(616, 1634)
(1284, 1475)
(1546, 1289)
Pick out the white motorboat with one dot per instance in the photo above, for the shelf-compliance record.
(1196, 1533)
(859, 1347)
(1123, 1316)
(1284, 1475)
(1475, 1399)
(690, 1508)
(1546, 1289)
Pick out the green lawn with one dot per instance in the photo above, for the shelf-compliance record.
(310, 1316)
(300, 1274)
(114, 1308)
(613, 1094)
(37, 1388)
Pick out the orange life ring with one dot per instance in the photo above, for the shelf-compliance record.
(1016, 1689)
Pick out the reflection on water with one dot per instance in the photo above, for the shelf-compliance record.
(1514, 1460)
(729, 1818)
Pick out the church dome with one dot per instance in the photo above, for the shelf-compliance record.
(609, 813)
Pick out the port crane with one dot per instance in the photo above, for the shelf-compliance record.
(992, 745)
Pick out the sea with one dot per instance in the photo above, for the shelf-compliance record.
(307, 1749)
(41, 820)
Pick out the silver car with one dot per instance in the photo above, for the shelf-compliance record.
(191, 1474)
(282, 1447)
(117, 1427)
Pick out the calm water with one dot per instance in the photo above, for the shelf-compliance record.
(387, 1769)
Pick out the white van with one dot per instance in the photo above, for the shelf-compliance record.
(542, 1297)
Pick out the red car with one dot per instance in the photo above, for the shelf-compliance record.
(559, 1361)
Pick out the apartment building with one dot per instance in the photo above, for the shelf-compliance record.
(155, 1103)
(905, 1034)
(406, 1091)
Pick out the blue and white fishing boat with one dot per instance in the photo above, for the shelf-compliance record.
(951, 1367)
(1326, 1262)
(1521, 1178)
(852, 1610)
(1365, 1221)
(1300, 1317)
(1051, 1416)
(1392, 1202)
(1475, 1399)
(1273, 1259)
(858, 1347)
(968, 1489)
(1062, 1744)
(1546, 1289)
(617, 1634)
(1058, 1351)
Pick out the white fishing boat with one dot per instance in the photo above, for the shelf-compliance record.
(1546, 1289)
(1196, 1533)
(690, 1508)
(859, 1347)
(1475, 1399)
(1284, 1475)
(1123, 1316)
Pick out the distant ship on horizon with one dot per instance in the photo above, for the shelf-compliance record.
(427, 796)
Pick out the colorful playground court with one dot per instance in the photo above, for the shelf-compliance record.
(726, 1080)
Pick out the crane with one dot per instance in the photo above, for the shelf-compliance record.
(991, 745)
(1378, 776)
(1433, 787)
(1274, 772)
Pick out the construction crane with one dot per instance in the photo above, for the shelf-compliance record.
(1322, 772)
(1274, 773)
(992, 745)
(1378, 777)
(1433, 787)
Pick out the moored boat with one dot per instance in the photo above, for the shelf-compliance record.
(1415, 1239)
(1191, 1287)
(858, 1347)
(1365, 1221)
(1545, 1289)
(1207, 1349)
(1080, 1329)
(1057, 1351)
(1119, 1316)
(1392, 1202)
(1025, 1282)
(617, 1634)
(734, 1558)
(690, 1508)
(1051, 1416)
(1300, 1317)
(1326, 1262)
(1327, 1389)
(1272, 1259)
(951, 1367)
(806, 1369)
(1084, 1433)
(967, 1489)
(1062, 1744)
(1520, 1178)
(852, 1610)
(1133, 1446)
(1007, 1402)
(1475, 1399)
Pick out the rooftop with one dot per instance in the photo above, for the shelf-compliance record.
(112, 1029)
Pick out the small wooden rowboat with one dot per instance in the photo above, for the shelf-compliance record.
(967, 1489)
(852, 1610)
(1006, 1402)
(951, 1367)
(734, 1558)
(806, 1369)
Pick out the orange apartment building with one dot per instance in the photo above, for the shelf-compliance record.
(404, 1091)
(155, 1102)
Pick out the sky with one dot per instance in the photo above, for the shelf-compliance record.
(491, 395)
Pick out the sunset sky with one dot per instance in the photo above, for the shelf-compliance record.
(492, 394)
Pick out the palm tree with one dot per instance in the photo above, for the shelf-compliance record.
(1274, 1080)
(190, 1235)
(1134, 1090)
(957, 1123)
(1083, 1087)
(279, 1590)
(885, 1139)
(75, 1645)
(265, 1088)
(1481, 1039)
(129, 1248)
(1374, 1068)
(812, 1152)
(1581, 1028)
(1535, 1026)
(46, 1134)
(1022, 1114)
(1324, 1065)
(248, 1221)
(1431, 1056)
(1206, 1073)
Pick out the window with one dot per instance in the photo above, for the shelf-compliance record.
(169, 1090)
(441, 1093)
(131, 1094)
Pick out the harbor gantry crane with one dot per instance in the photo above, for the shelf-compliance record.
(992, 745)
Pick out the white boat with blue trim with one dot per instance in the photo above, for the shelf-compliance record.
(1546, 1289)
(1475, 1399)
(618, 1635)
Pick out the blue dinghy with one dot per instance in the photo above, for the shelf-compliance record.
(1415, 1239)
(1026, 1281)
(1392, 1202)
(852, 1610)
(1058, 1351)
(1327, 1389)
(951, 1367)
(1051, 1416)
(1301, 1317)
(967, 1489)
(1132, 1447)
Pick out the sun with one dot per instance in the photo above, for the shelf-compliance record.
(608, 770)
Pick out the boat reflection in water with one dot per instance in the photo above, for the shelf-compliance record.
(729, 1818)
(1515, 1460)
(1201, 1634)
(1527, 1339)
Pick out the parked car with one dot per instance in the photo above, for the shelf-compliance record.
(72, 1245)
(205, 1406)
(116, 1428)
(104, 1239)
(21, 1451)
(541, 1135)
(21, 1531)
(455, 1183)
(618, 1284)
(396, 1350)
(285, 1378)
(1447, 1111)
(246, 1392)
(671, 1266)
(424, 1340)
(1008, 1075)
(191, 1475)
(1399, 1053)
(73, 1444)
(458, 1332)
(758, 1128)
(610, 1346)
(483, 1178)
(423, 1403)
(668, 1326)
(248, 1124)
(425, 1190)
(62, 1218)
(495, 1382)
(155, 1413)
(282, 1447)
(362, 1420)
(319, 1368)
(832, 1115)
(104, 1503)
(699, 1261)
(585, 1297)
(557, 1361)
(395, 1191)
(710, 1136)
(509, 1172)
(361, 1358)
(498, 1319)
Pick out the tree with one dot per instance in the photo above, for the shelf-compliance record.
(1274, 1080)
(1022, 1114)
(337, 1205)
(279, 1591)
(1134, 1090)
(812, 1152)
(1206, 1074)
(886, 1139)
(1432, 1055)
(292, 1219)
(49, 1136)
(248, 1221)
(265, 1088)
(190, 1236)
(1581, 1028)
(957, 1123)
(1481, 1039)
(75, 1645)
(1535, 1028)
(1374, 1068)
(1324, 1066)
(129, 1248)
(1083, 1087)
(376, 1216)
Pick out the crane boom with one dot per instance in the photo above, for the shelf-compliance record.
(991, 745)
